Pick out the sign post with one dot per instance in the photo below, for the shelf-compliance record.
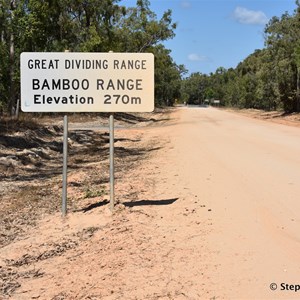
(65, 167)
(87, 82)
(111, 162)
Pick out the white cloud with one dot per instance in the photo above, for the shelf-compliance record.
(247, 16)
(186, 4)
(197, 57)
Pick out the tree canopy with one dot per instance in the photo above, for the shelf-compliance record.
(84, 26)
(266, 79)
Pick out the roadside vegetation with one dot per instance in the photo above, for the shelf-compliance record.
(84, 26)
(268, 79)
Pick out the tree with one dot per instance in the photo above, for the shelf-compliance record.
(168, 76)
(195, 88)
(88, 26)
(282, 39)
(266, 79)
(4, 54)
(139, 29)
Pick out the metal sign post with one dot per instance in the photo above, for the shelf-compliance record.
(65, 167)
(111, 162)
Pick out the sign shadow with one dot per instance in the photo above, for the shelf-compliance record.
(129, 204)
(150, 202)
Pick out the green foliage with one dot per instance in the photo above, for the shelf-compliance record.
(93, 193)
(195, 88)
(84, 26)
(167, 77)
(266, 79)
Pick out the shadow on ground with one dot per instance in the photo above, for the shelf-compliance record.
(150, 202)
(129, 204)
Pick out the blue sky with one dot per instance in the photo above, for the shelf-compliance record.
(215, 33)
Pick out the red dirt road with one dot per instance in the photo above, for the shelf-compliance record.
(214, 214)
(247, 172)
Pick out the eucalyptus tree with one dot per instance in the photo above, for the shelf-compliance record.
(282, 39)
(139, 28)
(5, 25)
(83, 25)
(196, 88)
(168, 76)
(7, 51)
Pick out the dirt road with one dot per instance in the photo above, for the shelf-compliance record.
(214, 213)
(246, 171)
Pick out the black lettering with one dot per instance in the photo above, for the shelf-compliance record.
(35, 84)
(56, 84)
(49, 100)
(85, 84)
(138, 84)
(121, 84)
(130, 84)
(110, 84)
(64, 100)
(131, 65)
(53, 64)
(75, 84)
(116, 64)
(66, 84)
(117, 98)
(71, 99)
(43, 64)
(107, 99)
(77, 62)
(37, 64)
(30, 64)
(88, 64)
(100, 83)
(36, 99)
(67, 64)
(143, 64)
(125, 99)
(56, 99)
(45, 85)
(100, 64)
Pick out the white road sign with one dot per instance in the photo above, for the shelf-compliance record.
(87, 82)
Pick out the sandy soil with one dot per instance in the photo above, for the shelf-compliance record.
(280, 117)
(208, 209)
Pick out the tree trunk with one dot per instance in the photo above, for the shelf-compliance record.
(298, 89)
(12, 89)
